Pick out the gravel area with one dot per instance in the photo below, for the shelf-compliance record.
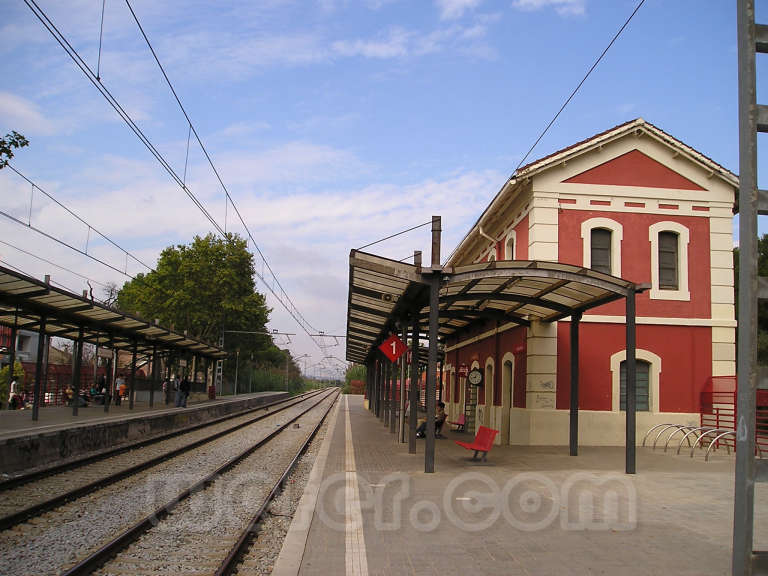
(59, 538)
(202, 529)
(261, 557)
(42, 490)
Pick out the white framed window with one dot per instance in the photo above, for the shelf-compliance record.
(510, 245)
(669, 261)
(654, 372)
(609, 256)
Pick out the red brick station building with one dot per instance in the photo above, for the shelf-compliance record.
(633, 202)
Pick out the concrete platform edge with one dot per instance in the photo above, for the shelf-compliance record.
(292, 553)
(52, 447)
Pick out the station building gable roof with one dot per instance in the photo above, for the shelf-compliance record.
(624, 170)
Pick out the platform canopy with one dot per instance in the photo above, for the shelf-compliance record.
(24, 301)
(385, 293)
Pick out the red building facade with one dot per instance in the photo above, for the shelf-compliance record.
(641, 205)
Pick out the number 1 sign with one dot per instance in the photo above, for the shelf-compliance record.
(393, 348)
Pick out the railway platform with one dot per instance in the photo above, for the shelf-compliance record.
(531, 510)
(58, 436)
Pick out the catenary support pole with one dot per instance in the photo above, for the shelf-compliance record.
(574, 423)
(434, 311)
(631, 384)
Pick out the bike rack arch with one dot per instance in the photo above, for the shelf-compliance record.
(714, 441)
(715, 431)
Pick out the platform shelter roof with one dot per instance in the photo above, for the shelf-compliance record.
(386, 294)
(25, 300)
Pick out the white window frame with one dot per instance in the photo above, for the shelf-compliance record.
(654, 372)
(617, 235)
(683, 235)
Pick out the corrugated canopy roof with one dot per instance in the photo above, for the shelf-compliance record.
(66, 313)
(383, 291)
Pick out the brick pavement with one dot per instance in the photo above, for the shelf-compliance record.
(528, 510)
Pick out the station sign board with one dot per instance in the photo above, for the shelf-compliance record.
(463, 371)
(393, 348)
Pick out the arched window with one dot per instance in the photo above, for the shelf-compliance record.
(602, 245)
(669, 261)
(509, 247)
(601, 250)
(489, 384)
(647, 378)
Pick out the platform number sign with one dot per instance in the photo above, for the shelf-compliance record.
(393, 348)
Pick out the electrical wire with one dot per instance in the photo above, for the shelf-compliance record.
(291, 308)
(76, 216)
(396, 234)
(575, 90)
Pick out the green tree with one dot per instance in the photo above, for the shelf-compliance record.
(354, 372)
(8, 143)
(762, 307)
(206, 287)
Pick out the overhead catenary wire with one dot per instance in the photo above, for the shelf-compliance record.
(79, 218)
(575, 90)
(228, 197)
(282, 296)
(568, 100)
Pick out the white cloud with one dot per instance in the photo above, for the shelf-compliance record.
(394, 45)
(562, 7)
(23, 115)
(453, 9)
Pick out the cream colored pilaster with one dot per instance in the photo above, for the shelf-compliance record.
(541, 368)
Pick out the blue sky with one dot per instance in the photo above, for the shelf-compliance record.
(334, 123)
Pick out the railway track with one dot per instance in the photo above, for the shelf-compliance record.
(70, 536)
(47, 489)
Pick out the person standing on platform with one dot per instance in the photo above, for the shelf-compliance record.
(119, 383)
(166, 390)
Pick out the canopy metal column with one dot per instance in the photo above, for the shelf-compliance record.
(38, 370)
(574, 424)
(434, 311)
(77, 361)
(413, 390)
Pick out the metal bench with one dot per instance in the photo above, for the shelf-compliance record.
(482, 443)
(460, 423)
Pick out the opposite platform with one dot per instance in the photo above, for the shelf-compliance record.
(527, 510)
(58, 436)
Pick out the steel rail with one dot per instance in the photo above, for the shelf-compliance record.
(37, 509)
(230, 563)
(16, 481)
(98, 558)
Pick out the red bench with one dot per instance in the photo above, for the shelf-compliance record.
(483, 441)
(460, 422)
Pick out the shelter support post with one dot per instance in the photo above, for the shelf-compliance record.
(413, 391)
(434, 312)
(574, 423)
(403, 369)
(631, 384)
(132, 386)
(77, 362)
(385, 390)
(205, 374)
(38, 371)
(12, 349)
(153, 380)
(392, 397)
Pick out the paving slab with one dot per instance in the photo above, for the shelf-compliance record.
(528, 510)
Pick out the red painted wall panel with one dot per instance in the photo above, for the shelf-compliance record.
(635, 169)
(636, 259)
(686, 363)
(521, 239)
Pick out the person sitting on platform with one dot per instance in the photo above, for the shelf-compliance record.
(440, 417)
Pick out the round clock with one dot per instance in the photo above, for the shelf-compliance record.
(475, 377)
